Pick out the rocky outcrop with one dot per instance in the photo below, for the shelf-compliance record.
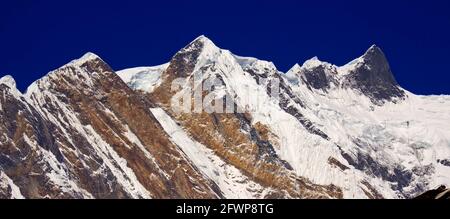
(372, 76)
(439, 193)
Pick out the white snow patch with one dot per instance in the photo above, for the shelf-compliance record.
(312, 63)
(143, 78)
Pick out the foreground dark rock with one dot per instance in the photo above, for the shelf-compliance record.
(440, 193)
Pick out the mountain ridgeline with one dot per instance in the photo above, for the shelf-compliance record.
(85, 130)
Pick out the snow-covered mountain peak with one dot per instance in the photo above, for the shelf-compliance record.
(294, 69)
(292, 74)
(372, 76)
(200, 44)
(202, 53)
(89, 56)
(255, 65)
(312, 63)
(202, 38)
(315, 62)
(373, 49)
(8, 80)
(199, 52)
(372, 54)
(11, 89)
(81, 72)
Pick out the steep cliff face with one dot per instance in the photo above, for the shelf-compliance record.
(31, 161)
(318, 131)
(372, 76)
(99, 136)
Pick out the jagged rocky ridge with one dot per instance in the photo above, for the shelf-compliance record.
(335, 132)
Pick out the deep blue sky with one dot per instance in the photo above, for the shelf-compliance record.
(38, 36)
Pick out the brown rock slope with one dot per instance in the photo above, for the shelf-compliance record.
(82, 133)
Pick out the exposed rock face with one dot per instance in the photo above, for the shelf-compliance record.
(81, 132)
(373, 77)
(29, 157)
(318, 78)
(316, 74)
(95, 137)
(439, 193)
(369, 74)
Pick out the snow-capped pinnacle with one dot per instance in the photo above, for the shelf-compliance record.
(373, 47)
(375, 59)
(89, 56)
(313, 63)
(372, 76)
(8, 80)
(291, 74)
(373, 51)
(200, 43)
(202, 38)
(294, 69)
(201, 49)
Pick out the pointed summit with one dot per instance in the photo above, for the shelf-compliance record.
(291, 74)
(372, 75)
(375, 61)
(294, 69)
(200, 51)
(202, 38)
(374, 53)
(312, 63)
(373, 57)
(373, 47)
(9, 81)
(199, 44)
(89, 56)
